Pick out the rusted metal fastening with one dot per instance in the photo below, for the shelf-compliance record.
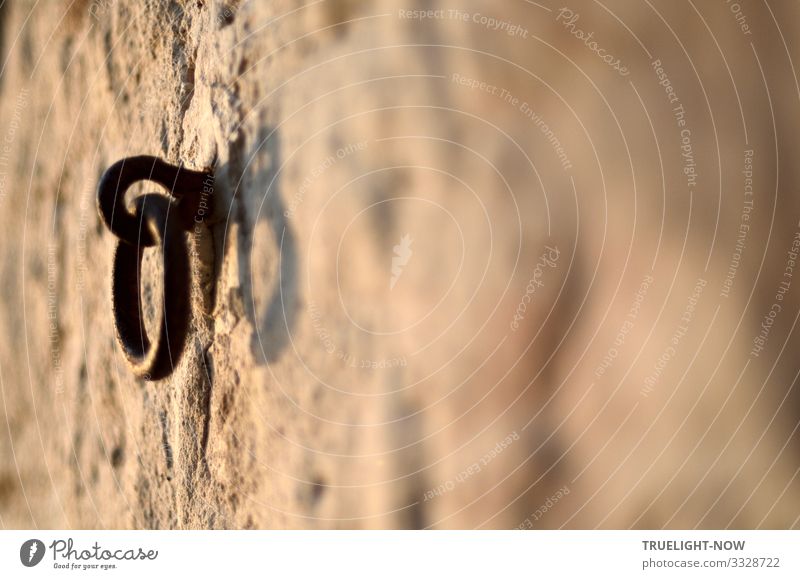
(156, 220)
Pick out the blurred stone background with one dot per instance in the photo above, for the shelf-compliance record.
(471, 270)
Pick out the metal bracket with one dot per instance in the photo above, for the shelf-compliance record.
(156, 220)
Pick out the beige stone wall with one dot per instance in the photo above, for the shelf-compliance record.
(316, 394)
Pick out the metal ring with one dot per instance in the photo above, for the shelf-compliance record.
(116, 181)
(152, 359)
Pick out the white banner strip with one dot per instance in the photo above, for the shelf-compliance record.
(401, 554)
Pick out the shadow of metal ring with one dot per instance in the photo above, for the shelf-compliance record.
(153, 358)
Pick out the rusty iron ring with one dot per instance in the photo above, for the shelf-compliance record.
(155, 358)
(156, 220)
